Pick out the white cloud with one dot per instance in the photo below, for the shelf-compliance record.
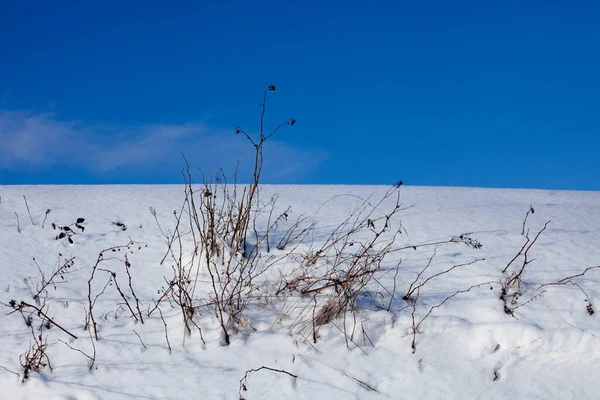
(31, 141)
(28, 140)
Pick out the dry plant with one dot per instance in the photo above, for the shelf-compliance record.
(115, 253)
(413, 292)
(217, 218)
(512, 289)
(569, 279)
(244, 380)
(530, 211)
(91, 358)
(66, 231)
(416, 286)
(181, 288)
(18, 223)
(46, 216)
(417, 322)
(29, 311)
(331, 277)
(166, 329)
(296, 233)
(9, 370)
(351, 261)
(222, 221)
(28, 212)
(464, 238)
(62, 269)
(36, 358)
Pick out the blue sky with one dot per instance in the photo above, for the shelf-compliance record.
(477, 93)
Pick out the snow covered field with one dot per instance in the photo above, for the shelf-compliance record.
(466, 348)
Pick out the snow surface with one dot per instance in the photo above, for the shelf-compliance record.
(468, 348)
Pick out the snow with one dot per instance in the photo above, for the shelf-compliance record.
(467, 348)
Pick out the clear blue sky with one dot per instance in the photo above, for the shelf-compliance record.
(458, 93)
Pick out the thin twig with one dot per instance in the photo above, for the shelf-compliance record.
(409, 294)
(92, 359)
(578, 275)
(50, 320)
(530, 211)
(166, 331)
(46, 217)
(415, 327)
(410, 287)
(243, 381)
(27, 205)
(58, 272)
(540, 294)
(517, 276)
(137, 300)
(8, 370)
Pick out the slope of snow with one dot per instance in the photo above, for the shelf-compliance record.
(466, 348)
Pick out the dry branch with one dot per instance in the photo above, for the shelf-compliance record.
(243, 381)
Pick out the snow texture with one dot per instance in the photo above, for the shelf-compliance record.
(468, 348)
